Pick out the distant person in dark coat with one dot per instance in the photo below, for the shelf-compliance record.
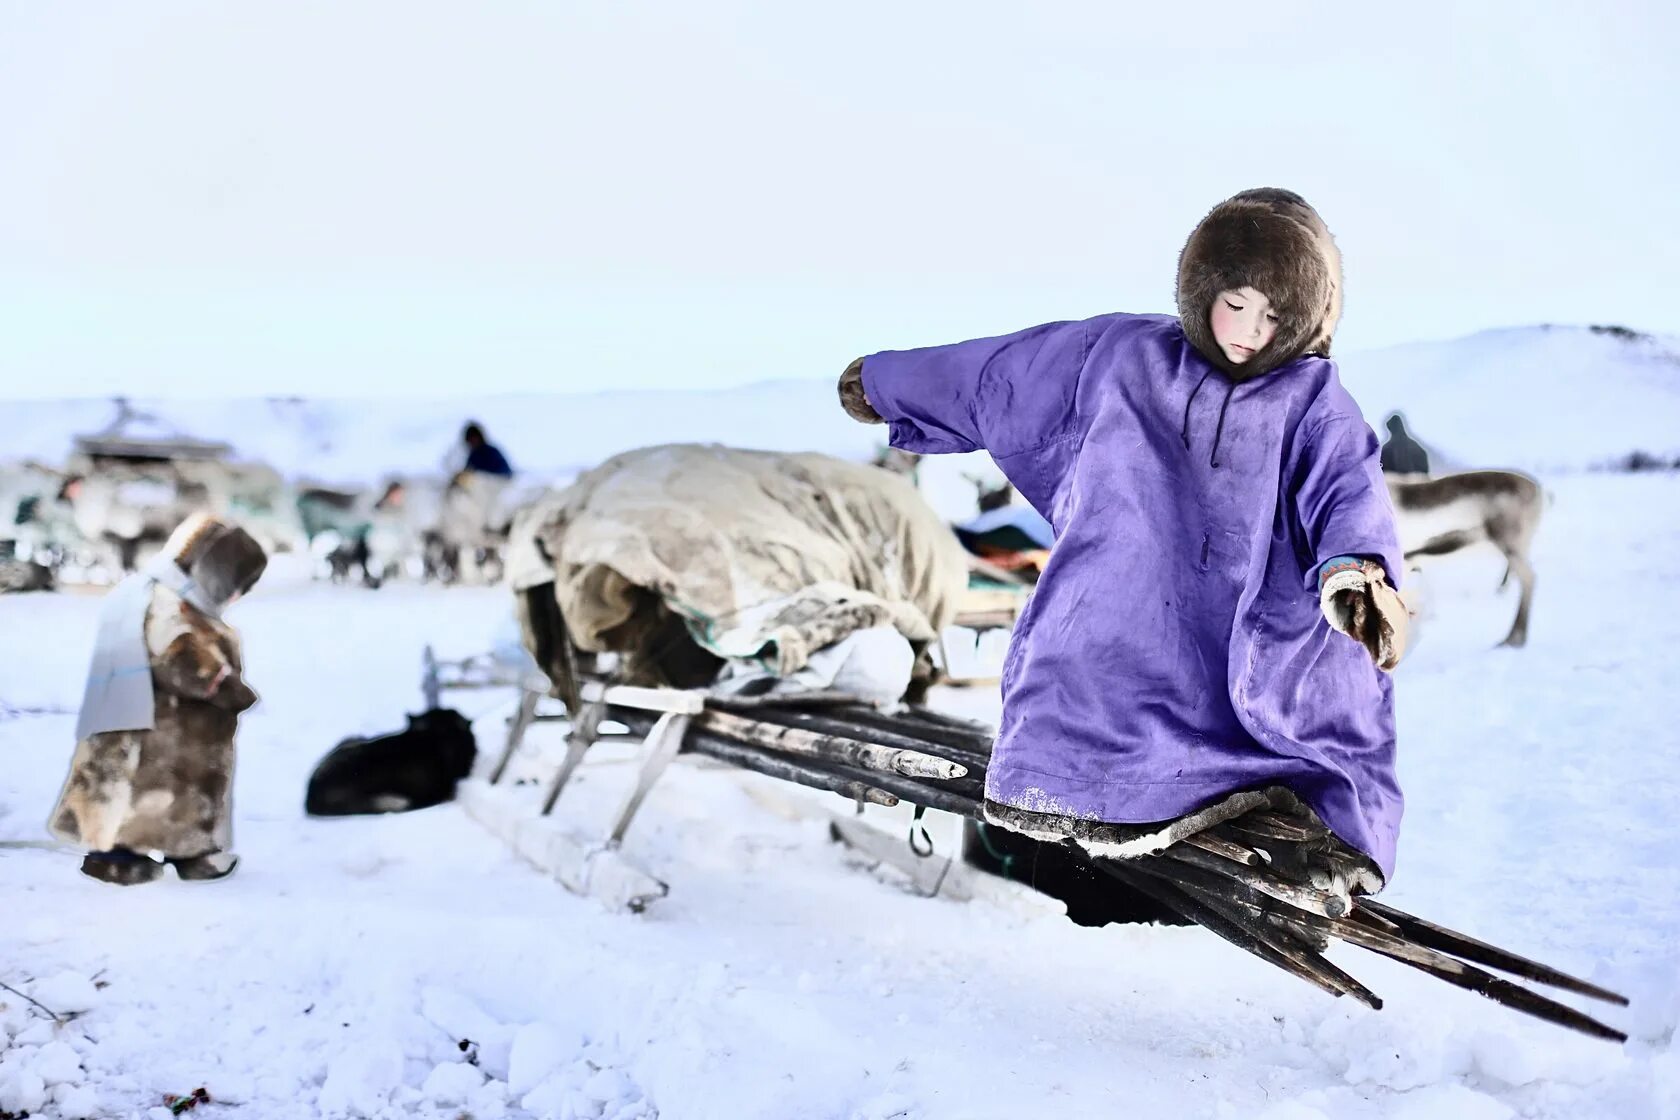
(1401, 454)
(482, 455)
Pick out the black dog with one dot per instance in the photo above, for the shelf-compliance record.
(394, 773)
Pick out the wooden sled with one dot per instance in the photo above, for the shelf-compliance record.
(1229, 879)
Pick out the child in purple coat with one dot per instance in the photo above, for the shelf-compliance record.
(1215, 627)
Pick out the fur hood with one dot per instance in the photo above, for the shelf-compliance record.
(1271, 240)
(222, 559)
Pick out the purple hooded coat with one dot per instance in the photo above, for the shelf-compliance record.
(1174, 651)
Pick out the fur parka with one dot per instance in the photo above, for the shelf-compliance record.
(169, 788)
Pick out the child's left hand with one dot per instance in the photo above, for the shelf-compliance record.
(1359, 602)
(852, 397)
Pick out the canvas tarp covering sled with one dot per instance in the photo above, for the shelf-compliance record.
(679, 555)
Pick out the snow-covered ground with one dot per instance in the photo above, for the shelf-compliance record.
(340, 969)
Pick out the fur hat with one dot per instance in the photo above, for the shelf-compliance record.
(222, 559)
(1270, 240)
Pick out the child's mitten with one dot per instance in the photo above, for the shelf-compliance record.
(852, 398)
(1357, 600)
(234, 695)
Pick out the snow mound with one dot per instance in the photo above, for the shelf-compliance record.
(1543, 399)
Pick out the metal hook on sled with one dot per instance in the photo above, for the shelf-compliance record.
(925, 848)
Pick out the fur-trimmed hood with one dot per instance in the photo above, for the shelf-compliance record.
(1271, 240)
(222, 559)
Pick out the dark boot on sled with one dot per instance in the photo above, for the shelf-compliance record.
(1298, 846)
(212, 865)
(121, 867)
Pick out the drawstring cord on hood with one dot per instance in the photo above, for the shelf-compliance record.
(1184, 433)
(1219, 430)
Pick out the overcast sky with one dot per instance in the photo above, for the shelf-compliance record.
(283, 197)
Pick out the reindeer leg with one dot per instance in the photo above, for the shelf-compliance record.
(1518, 637)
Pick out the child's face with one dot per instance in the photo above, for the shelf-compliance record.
(1243, 323)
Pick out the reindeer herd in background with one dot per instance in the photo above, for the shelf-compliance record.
(94, 522)
(124, 488)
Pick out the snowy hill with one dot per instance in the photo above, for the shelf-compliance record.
(1543, 399)
(1540, 398)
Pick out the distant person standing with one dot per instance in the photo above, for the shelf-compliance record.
(1401, 454)
(482, 455)
(473, 515)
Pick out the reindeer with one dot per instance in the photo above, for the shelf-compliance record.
(1436, 516)
(899, 462)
